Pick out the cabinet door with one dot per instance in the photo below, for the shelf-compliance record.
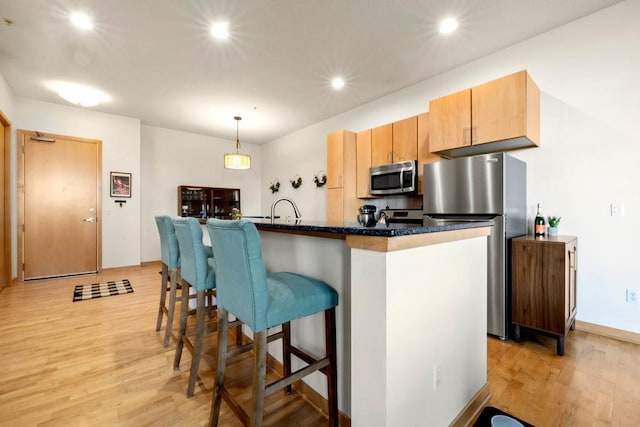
(499, 109)
(424, 153)
(363, 163)
(335, 159)
(382, 145)
(405, 140)
(335, 205)
(450, 118)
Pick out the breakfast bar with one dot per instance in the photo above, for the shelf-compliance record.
(411, 318)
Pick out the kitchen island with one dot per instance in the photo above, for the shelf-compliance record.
(411, 321)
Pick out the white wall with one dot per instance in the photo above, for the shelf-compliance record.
(171, 158)
(6, 99)
(120, 138)
(588, 75)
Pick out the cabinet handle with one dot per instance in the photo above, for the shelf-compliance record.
(572, 259)
(467, 135)
(340, 181)
(390, 156)
(474, 136)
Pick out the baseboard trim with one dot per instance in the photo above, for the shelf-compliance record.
(472, 410)
(309, 393)
(606, 331)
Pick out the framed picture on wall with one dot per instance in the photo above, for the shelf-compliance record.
(120, 184)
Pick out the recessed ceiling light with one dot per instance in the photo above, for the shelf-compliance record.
(448, 25)
(337, 83)
(220, 30)
(84, 96)
(81, 20)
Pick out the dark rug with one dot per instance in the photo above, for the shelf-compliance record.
(484, 420)
(98, 290)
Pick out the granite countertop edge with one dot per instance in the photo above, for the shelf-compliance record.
(380, 230)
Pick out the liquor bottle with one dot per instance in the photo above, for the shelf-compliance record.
(540, 227)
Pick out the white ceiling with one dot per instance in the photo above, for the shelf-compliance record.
(158, 62)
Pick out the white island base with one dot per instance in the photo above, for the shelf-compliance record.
(411, 322)
(418, 333)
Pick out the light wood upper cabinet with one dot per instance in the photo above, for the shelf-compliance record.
(394, 142)
(504, 113)
(451, 121)
(335, 159)
(424, 153)
(382, 145)
(363, 163)
(506, 108)
(405, 140)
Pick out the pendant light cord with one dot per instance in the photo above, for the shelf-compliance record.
(237, 119)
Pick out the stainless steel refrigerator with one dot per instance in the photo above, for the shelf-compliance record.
(488, 187)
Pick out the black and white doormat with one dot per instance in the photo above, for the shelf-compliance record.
(98, 290)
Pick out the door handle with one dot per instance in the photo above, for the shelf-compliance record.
(90, 219)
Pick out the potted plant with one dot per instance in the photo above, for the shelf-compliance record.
(553, 225)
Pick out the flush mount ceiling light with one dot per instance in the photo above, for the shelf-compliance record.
(84, 96)
(337, 83)
(220, 30)
(448, 25)
(81, 20)
(237, 160)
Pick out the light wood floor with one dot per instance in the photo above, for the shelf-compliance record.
(101, 363)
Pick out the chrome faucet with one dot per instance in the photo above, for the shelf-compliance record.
(275, 202)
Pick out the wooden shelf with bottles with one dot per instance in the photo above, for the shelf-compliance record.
(207, 202)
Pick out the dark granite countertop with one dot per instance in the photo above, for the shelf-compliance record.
(381, 230)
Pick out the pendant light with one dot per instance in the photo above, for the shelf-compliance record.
(237, 160)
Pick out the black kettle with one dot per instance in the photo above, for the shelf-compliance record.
(367, 215)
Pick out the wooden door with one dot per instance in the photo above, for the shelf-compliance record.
(61, 195)
(382, 145)
(450, 118)
(4, 250)
(405, 139)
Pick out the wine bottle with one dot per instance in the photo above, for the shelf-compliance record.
(540, 227)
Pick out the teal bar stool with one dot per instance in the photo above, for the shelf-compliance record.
(196, 272)
(264, 300)
(170, 256)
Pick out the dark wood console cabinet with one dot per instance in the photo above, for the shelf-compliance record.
(207, 202)
(544, 285)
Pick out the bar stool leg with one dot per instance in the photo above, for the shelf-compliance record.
(163, 296)
(260, 377)
(221, 364)
(332, 369)
(184, 311)
(286, 353)
(197, 348)
(172, 306)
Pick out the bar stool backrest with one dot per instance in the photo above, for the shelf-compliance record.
(169, 249)
(241, 276)
(194, 266)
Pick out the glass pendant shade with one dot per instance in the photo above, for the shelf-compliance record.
(237, 160)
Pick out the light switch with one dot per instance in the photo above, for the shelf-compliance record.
(617, 209)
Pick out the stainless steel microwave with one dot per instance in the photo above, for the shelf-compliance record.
(395, 178)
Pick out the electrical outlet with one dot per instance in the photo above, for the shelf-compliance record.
(617, 209)
(632, 296)
(437, 375)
